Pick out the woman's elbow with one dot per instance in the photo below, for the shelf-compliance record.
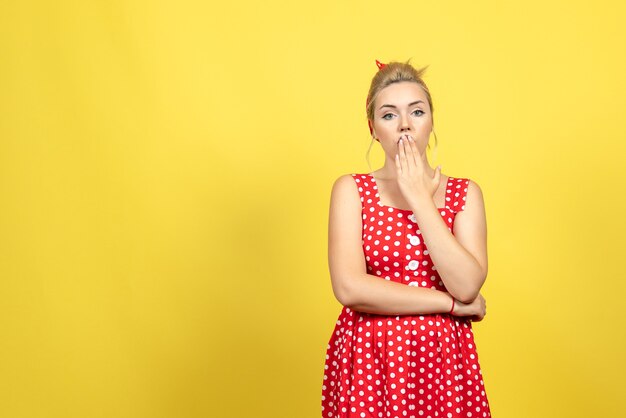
(471, 293)
(468, 298)
(342, 292)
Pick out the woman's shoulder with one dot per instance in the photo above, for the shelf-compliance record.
(351, 178)
(466, 182)
(464, 190)
(456, 178)
(347, 190)
(348, 182)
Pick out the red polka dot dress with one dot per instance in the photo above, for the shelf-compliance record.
(380, 366)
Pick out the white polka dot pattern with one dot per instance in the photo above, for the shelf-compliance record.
(397, 366)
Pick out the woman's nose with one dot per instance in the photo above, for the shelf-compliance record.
(404, 123)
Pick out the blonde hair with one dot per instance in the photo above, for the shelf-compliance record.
(395, 72)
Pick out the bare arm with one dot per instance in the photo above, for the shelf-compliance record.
(352, 286)
(379, 296)
(461, 259)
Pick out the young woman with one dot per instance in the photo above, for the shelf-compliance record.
(407, 252)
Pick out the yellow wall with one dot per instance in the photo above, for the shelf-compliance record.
(165, 174)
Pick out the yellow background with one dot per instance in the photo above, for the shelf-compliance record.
(165, 174)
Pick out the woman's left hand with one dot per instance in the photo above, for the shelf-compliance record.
(413, 180)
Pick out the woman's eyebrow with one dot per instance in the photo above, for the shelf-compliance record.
(410, 104)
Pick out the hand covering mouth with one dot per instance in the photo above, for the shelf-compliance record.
(405, 137)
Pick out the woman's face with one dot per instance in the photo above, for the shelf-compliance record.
(402, 109)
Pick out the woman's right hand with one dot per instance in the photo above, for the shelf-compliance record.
(476, 310)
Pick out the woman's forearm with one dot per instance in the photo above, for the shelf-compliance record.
(372, 294)
(460, 272)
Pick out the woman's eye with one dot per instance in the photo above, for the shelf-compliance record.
(418, 110)
(385, 116)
